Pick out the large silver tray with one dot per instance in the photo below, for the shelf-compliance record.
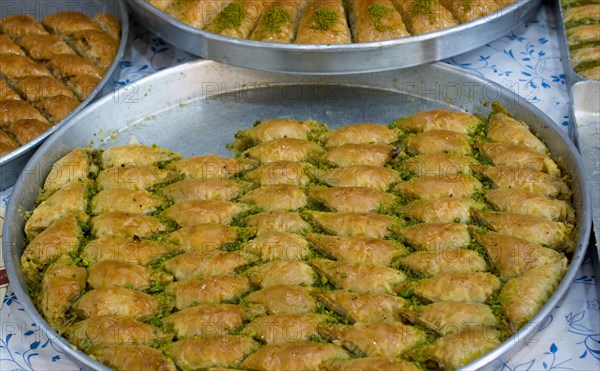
(12, 163)
(197, 107)
(335, 59)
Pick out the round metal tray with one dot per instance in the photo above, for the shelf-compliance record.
(335, 59)
(12, 163)
(196, 108)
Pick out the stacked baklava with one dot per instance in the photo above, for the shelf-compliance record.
(418, 245)
(582, 24)
(48, 68)
(326, 21)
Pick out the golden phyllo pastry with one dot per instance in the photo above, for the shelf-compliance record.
(278, 246)
(367, 133)
(440, 210)
(387, 339)
(470, 287)
(284, 328)
(431, 263)
(536, 285)
(363, 306)
(359, 199)
(352, 154)
(449, 317)
(61, 237)
(134, 357)
(472, 10)
(114, 273)
(435, 236)
(457, 121)
(303, 355)
(513, 256)
(19, 25)
(127, 224)
(281, 221)
(369, 363)
(507, 154)
(282, 272)
(359, 277)
(204, 237)
(208, 167)
(133, 177)
(237, 19)
(44, 47)
(350, 224)
(374, 20)
(300, 258)
(439, 164)
(211, 319)
(191, 213)
(108, 330)
(69, 200)
(279, 21)
(124, 200)
(126, 249)
(73, 167)
(198, 189)
(527, 179)
(357, 249)
(281, 172)
(213, 289)
(201, 264)
(116, 301)
(276, 197)
(438, 186)
(324, 22)
(435, 141)
(425, 16)
(455, 350)
(40, 62)
(286, 149)
(279, 299)
(61, 284)
(7, 46)
(378, 178)
(136, 154)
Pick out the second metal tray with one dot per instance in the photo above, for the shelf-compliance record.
(12, 163)
(335, 59)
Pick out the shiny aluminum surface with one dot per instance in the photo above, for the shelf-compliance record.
(12, 163)
(196, 108)
(335, 59)
(585, 125)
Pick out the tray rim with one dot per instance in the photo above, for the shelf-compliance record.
(508, 347)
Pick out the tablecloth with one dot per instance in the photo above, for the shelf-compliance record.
(526, 61)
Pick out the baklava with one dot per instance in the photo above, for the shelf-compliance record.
(49, 67)
(213, 262)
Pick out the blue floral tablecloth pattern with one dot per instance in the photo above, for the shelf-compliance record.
(526, 61)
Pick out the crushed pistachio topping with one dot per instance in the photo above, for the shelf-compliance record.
(231, 16)
(376, 13)
(424, 7)
(275, 18)
(325, 18)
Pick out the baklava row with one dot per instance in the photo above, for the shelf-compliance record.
(326, 21)
(582, 23)
(418, 245)
(48, 68)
